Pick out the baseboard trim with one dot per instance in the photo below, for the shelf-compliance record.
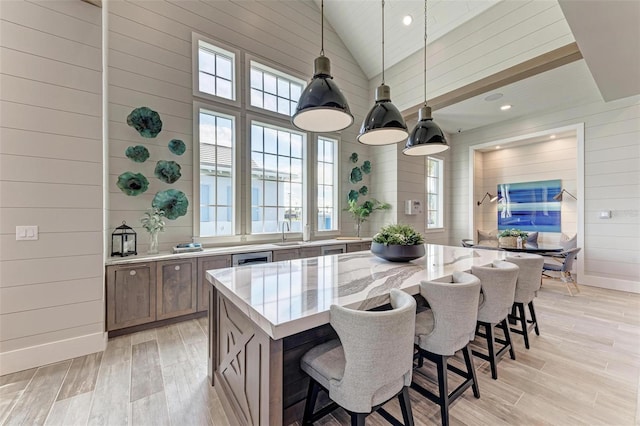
(48, 353)
(610, 283)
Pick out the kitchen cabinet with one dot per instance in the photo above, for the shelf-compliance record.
(287, 254)
(176, 288)
(306, 252)
(359, 246)
(205, 264)
(131, 295)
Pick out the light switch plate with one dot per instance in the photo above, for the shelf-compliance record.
(27, 233)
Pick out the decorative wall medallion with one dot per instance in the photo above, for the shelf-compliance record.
(177, 147)
(354, 157)
(146, 121)
(356, 175)
(168, 171)
(137, 153)
(363, 190)
(132, 183)
(366, 167)
(172, 201)
(353, 195)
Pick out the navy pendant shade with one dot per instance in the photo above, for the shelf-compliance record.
(426, 138)
(322, 106)
(384, 124)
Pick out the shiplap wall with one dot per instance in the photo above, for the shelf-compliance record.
(150, 65)
(611, 247)
(553, 159)
(51, 176)
(504, 35)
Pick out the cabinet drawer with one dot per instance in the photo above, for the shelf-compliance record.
(131, 295)
(288, 254)
(177, 288)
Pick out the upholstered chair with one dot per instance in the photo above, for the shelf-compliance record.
(498, 282)
(564, 268)
(370, 364)
(527, 288)
(446, 328)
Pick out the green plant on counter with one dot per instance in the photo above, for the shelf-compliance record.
(397, 234)
(153, 220)
(513, 232)
(361, 212)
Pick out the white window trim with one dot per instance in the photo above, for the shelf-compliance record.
(222, 110)
(282, 123)
(274, 68)
(238, 78)
(314, 185)
(442, 228)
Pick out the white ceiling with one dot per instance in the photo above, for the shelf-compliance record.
(567, 85)
(363, 35)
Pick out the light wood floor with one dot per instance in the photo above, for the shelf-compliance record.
(583, 369)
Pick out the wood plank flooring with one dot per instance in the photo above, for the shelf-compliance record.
(584, 369)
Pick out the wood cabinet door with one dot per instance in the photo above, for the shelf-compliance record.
(177, 288)
(310, 252)
(288, 254)
(205, 264)
(131, 295)
(351, 247)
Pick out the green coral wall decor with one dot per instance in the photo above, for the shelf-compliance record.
(132, 183)
(146, 121)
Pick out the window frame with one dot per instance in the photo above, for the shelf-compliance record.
(337, 186)
(223, 48)
(262, 119)
(236, 206)
(441, 227)
(275, 69)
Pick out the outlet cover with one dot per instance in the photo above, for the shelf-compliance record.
(27, 233)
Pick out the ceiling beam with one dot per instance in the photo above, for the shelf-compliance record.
(545, 62)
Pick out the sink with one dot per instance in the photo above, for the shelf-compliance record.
(288, 243)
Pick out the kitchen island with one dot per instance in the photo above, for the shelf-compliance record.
(263, 318)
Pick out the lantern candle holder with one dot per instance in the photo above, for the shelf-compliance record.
(124, 241)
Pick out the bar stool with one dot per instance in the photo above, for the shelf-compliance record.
(527, 287)
(498, 282)
(369, 365)
(445, 329)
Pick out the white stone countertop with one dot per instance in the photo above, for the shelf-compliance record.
(213, 251)
(287, 297)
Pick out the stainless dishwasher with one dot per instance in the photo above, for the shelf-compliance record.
(250, 258)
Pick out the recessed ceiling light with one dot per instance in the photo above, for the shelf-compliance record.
(505, 107)
(493, 97)
(552, 137)
(497, 146)
(407, 20)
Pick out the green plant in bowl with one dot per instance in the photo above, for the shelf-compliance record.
(398, 243)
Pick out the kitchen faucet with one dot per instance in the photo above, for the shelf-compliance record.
(288, 229)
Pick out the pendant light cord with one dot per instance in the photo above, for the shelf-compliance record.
(383, 42)
(322, 28)
(425, 52)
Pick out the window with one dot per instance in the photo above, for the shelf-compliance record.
(435, 202)
(273, 90)
(216, 71)
(327, 182)
(217, 139)
(277, 177)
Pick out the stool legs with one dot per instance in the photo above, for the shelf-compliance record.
(493, 356)
(532, 311)
(519, 317)
(310, 403)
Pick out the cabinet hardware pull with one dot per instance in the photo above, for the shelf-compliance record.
(132, 273)
(177, 268)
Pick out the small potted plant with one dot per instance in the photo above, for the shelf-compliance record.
(398, 243)
(509, 237)
(361, 212)
(153, 222)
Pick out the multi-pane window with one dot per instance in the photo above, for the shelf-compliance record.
(277, 176)
(273, 90)
(435, 202)
(215, 71)
(327, 182)
(217, 137)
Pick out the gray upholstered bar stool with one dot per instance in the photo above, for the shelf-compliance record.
(369, 365)
(443, 330)
(498, 282)
(527, 287)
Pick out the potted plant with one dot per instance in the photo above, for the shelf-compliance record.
(398, 243)
(153, 222)
(361, 212)
(509, 237)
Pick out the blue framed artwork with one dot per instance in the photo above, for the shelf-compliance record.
(529, 206)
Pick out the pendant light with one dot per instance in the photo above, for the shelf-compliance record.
(384, 124)
(322, 107)
(426, 138)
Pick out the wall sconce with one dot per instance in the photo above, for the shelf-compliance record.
(558, 196)
(492, 198)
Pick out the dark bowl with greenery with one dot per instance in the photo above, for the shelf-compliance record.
(398, 243)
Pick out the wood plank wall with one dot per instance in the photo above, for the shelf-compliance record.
(51, 176)
(150, 64)
(611, 182)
